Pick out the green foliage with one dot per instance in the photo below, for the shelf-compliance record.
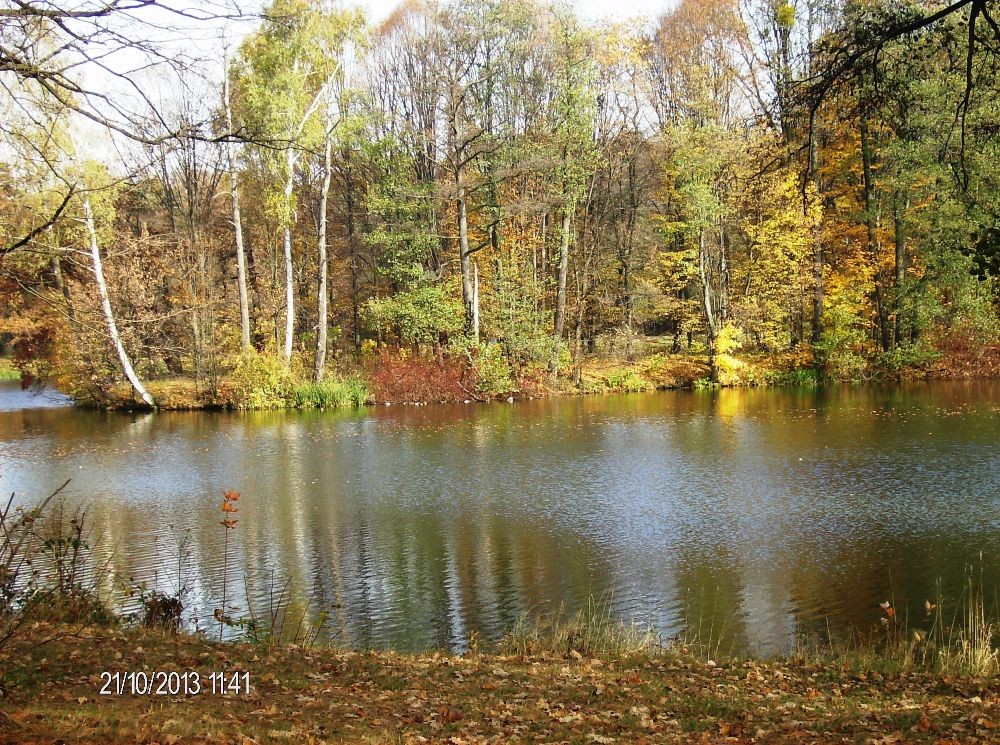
(626, 380)
(417, 316)
(260, 381)
(331, 394)
(7, 370)
(494, 376)
(402, 235)
(908, 356)
(841, 350)
(493, 373)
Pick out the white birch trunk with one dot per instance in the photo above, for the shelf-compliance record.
(241, 260)
(289, 280)
(109, 316)
(319, 366)
(475, 300)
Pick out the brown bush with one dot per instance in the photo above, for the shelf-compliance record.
(398, 376)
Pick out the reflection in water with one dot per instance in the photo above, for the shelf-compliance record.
(750, 515)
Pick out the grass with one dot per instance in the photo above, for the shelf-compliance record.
(591, 631)
(178, 394)
(7, 370)
(331, 394)
(327, 695)
(962, 639)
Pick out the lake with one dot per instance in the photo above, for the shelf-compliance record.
(749, 515)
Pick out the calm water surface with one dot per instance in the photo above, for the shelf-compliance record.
(754, 515)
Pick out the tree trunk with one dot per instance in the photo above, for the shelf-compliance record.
(63, 288)
(352, 243)
(109, 316)
(289, 268)
(817, 298)
(871, 225)
(563, 268)
(900, 262)
(319, 362)
(241, 259)
(706, 291)
(464, 255)
(475, 300)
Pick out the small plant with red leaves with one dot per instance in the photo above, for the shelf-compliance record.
(229, 500)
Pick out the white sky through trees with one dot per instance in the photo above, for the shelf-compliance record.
(590, 10)
(196, 35)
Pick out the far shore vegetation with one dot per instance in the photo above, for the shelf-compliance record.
(481, 199)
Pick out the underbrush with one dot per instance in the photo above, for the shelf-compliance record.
(403, 376)
(959, 639)
(261, 381)
(46, 574)
(592, 632)
(7, 370)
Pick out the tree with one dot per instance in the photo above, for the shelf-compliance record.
(287, 69)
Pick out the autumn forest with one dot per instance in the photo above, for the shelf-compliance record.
(487, 198)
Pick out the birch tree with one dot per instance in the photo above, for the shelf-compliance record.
(285, 78)
(102, 289)
(234, 195)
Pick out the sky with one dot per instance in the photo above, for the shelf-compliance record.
(202, 40)
(618, 10)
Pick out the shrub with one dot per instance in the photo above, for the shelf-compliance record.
(417, 316)
(493, 373)
(731, 370)
(627, 381)
(162, 611)
(398, 376)
(260, 381)
(842, 345)
(8, 371)
(918, 355)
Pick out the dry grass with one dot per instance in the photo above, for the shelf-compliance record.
(960, 639)
(326, 695)
(592, 631)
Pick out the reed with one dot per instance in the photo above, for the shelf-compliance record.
(590, 632)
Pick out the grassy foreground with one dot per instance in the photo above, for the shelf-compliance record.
(322, 695)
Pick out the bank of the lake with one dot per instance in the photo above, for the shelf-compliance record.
(323, 695)
(395, 379)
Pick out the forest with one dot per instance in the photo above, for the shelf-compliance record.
(487, 198)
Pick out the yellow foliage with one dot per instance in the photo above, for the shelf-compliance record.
(731, 370)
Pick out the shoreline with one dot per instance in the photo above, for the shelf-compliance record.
(409, 381)
(171, 403)
(317, 694)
